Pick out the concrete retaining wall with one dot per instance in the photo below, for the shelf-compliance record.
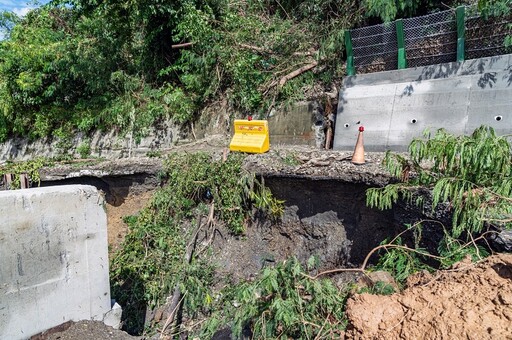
(396, 106)
(111, 145)
(53, 258)
(293, 125)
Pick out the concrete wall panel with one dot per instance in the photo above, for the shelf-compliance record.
(53, 258)
(293, 125)
(456, 96)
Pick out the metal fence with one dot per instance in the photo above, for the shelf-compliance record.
(431, 39)
(375, 48)
(484, 38)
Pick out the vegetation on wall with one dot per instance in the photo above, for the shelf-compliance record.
(29, 168)
(83, 65)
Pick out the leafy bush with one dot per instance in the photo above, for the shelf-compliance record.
(282, 303)
(470, 173)
(152, 258)
(31, 168)
(84, 149)
(401, 262)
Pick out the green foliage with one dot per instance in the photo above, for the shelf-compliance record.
(490, 8)
(289, 159)
(48, 71)
(84, 65)
(388, 10)
(470, 173)
(31, 168)
(110, 65)
(282, 303)
(452, 250)
(233, 190)
(84, 149)
(265, 201)
(64, 143)
(379, 288)
(498, 8)
(151, 260)
(401, 262)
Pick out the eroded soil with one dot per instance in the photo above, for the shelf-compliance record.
(116, 227)
(470, 301)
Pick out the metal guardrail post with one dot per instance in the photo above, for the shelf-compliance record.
(402, 59)
(460, 13)
(351, 70)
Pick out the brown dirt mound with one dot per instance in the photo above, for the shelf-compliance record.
(470, 301)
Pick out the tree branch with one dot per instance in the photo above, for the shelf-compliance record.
(264, 50)
(182, 45)
(297, 72)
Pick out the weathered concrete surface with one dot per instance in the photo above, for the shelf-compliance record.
(397, 106)
(293, 125)
(53, 258)
(296, 161)
(110, 145)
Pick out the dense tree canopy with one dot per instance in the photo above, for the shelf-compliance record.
(86, 64)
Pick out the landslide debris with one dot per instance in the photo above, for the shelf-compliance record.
(469, 301)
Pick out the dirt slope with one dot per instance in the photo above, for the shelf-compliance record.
(471, 301)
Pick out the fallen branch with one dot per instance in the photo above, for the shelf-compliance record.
(289, 76)
(396, 246)
(267, 51)
(177, 296)
(170, 319)
(297, 72)
(255, 48)
(182, 45)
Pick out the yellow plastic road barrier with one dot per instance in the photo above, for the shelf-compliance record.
(250, 136)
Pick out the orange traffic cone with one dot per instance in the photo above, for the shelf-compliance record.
(358, 156)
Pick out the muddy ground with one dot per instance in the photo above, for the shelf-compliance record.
(325, 216)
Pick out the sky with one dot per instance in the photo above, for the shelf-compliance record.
(20, 7)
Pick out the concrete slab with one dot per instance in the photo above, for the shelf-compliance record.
(53, 258)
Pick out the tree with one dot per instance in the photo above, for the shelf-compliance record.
(472, 174)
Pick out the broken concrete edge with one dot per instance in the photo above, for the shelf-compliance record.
(372, 173)
(112, 318)
(378, 180)
(127, 166)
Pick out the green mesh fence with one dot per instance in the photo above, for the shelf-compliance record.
(446, 36)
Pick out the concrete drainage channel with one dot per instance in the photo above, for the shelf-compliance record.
(57, 246)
